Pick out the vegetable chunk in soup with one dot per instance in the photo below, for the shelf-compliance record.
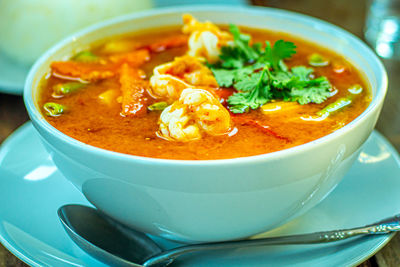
(202, 92)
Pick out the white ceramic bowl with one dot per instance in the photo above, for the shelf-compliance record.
(215, 199)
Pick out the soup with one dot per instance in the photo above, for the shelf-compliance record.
(202, 92)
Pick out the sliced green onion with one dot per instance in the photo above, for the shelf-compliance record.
(66, 88)
(333, 107)
(316, 60)
(85, 56)
(158, 106)
(355, 89)
(341, 102)
(53, 109)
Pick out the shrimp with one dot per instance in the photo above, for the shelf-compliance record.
(171, 78)
(166, 86)
(205, 38)
(197, 112)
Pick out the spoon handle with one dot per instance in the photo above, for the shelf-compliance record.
(386, 226)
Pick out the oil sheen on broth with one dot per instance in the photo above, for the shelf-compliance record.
(153, 93)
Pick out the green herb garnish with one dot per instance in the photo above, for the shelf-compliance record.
(260, 75)
(355, 89)
(66, 88)
(335, 106)
(254, 92)
(85, 56)
(342, 102)
(53, 109)
(158, 106)
(316, 60)
(274, 55)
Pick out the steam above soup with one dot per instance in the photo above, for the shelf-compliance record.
(202, 92)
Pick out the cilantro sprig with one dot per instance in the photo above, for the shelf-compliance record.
(274, 55)
(240, 52)
(254, 92)
(260, 74)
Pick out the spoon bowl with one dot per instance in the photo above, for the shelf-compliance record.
(104, 239)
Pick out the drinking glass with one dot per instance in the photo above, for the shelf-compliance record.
(382, 28)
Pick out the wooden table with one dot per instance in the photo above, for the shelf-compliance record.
(345, 13)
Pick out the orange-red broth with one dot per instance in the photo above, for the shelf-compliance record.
(92, 122)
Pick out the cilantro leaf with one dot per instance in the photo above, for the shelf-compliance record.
(316, 91)
(281, 79)
(257, 47)
(254, 92)
(240, 53)
(244, 101)
(302, 72)
(224, 77)
(248, 82)
(281, 50)
(296, 78)
(238, 102)
(241, 41)
(245, 71)
(231, 58)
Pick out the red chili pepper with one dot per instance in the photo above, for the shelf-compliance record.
(243, 120)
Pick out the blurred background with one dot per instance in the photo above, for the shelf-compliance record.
(29, 27)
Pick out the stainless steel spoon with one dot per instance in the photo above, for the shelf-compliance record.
(115, 244)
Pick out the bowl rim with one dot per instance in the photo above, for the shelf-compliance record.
(40, 121)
